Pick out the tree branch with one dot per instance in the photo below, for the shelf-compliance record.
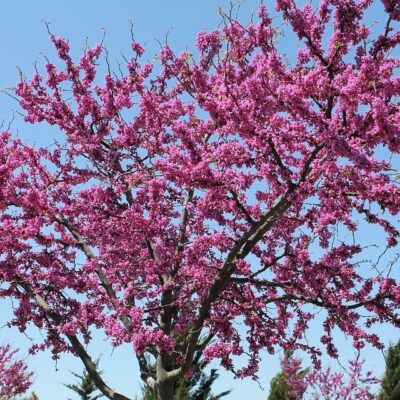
(144, 368)
(240, 250)
(184, 220)
(75, 343)
(279, 162)
(242, 208)
(326, 305)
(89, 254)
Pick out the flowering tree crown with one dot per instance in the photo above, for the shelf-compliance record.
(180, 203)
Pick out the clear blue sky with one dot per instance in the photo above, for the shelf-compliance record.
(23, 37)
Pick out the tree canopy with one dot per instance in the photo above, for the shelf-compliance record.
(225, 187)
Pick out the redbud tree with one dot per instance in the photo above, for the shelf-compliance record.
(355, 384)
(325, 384)
(15, 379)
(192, 210)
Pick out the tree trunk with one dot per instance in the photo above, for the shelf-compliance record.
(165, 390)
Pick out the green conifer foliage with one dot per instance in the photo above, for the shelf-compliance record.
(390, 385)
(85, 387)
(280, 390)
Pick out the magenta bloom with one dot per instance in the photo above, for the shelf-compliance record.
(15, 379)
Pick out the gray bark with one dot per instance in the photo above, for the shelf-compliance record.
(165, 390)
(165, 386)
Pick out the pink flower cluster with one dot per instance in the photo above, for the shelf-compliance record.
(325, 384)
(15, 379)
(354, 384)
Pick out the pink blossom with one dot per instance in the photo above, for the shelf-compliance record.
(15, 379)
